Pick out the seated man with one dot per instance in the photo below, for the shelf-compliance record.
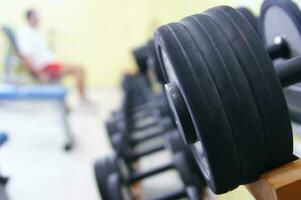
(38, 58)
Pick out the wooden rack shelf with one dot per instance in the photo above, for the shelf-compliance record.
(282, 183)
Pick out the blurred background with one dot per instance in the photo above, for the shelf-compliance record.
(98, 35)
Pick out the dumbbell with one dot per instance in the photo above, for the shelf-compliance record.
(118, 124)
(184, 163)
(154, 127)
(136, 92)
(223, 84)
(157, 102)
(140, 56)
(118, 188)
(116, 193)
(153, 102)
(278, 46)
(283, 42)
(131, 153)
(131, 140)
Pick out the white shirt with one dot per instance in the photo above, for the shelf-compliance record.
(33, 45)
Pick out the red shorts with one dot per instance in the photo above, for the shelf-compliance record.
(53, 70)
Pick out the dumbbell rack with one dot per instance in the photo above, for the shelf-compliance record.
(282, 183)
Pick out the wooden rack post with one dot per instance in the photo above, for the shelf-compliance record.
(282, 183)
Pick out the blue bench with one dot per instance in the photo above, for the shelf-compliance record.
(41, 92)
(3, 138)
(12, 92)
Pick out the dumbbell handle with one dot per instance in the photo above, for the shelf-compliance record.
(139, 127)
(146, 152)
(136, 141)
(279, 50)
(179, 194)
(141, 175)
(289, 72)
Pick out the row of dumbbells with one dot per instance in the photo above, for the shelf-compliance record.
(222, 74)
(144, 126)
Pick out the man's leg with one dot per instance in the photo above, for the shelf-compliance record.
(79, 74)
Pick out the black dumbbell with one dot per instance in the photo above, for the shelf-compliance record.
(131, 154)
(136, 81)
(114, 185)
(118, 189)
(231, 93)
(184, 163)
(157, 105)
(280, 22)
(140, 55)
(159, 121)
(131, 140)
(280, 40)
(150, 126)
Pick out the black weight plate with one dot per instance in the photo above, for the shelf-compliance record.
(293, 96)
(287, 26)
(117, 190)
(193, 193)
(235, 93)
(103, 169)
(154, 62)
(111, 127)
(116, 141)
(188, 170)
(223, 184)
(263, 80)
(140, 55)
(186, 69)
(182, 167)
(250, 17)
(173, 142)
(281, 18)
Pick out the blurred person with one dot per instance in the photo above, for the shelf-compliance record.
(39, 59)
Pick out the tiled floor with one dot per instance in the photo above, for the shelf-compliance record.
(34, 159)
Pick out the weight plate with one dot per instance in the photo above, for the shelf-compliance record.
(103, 169)
(182, 167)
(234, 92)
(279, 18)
(185, 68)
(154, 62)
(287, 26)
(140, 55)
(250, 17)
(194, 194)
(117, 190)
(111, 127)
(263, 80)
(173, 142)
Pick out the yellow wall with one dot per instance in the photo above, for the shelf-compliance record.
(99, 34)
